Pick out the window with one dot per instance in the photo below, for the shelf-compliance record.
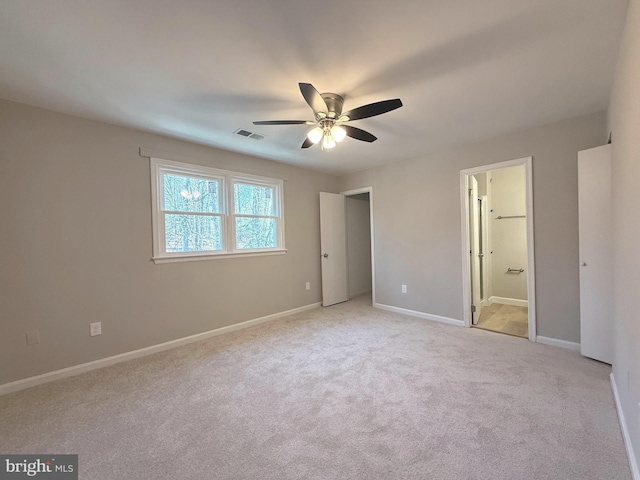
(201, 212)
(255, 218)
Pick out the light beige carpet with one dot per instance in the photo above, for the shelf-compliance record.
(345, 392)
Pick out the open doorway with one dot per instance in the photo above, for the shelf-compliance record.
(346, 241)
(498, 265)
(360, 266)
(358, 245)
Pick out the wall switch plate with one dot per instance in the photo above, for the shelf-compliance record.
(308, 286)
(404, 289)
(33, 337)
(95, 329)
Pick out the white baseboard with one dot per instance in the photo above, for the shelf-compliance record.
(123, 357)
(414, 313)
(554, 342)
(633, 464)
(509, 301)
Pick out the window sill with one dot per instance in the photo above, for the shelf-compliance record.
(214, 256)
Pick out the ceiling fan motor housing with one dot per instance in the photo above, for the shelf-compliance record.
(334, 104)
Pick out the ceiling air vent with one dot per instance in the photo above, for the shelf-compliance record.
(247, 133)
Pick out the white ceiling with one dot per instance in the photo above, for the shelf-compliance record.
(200, 69)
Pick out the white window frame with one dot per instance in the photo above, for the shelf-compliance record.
(227, 180)
(244, 180)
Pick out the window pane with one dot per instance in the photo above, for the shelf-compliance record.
(255, 233)
(189, 194)
(192, 233)
(253, 199)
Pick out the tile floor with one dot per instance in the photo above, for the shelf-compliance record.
(504, 319)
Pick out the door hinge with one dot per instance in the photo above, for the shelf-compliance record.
(473, 309)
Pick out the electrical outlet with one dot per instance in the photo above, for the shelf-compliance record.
(33, 337)
(404, 289)
(95, 329)
(308, 286)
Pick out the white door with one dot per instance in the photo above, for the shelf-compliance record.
(333, 245)
(596, 277)
(474, 229)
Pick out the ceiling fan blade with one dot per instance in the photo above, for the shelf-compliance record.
(307, 143)
(373, 109)
(359, 134)
(281, 122)
(313, 98)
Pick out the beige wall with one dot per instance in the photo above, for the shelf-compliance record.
(417, 222)
(508, 235)
(76, 245)
(481, 178)
(624, 122)
(358, 244)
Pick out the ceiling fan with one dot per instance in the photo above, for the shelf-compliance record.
(329, 119)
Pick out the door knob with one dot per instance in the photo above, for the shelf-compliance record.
(326, 255)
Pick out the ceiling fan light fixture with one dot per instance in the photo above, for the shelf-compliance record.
(328, 142)
(315, 134)
(338, 133)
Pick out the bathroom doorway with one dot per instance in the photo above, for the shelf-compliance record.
(498, 248)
